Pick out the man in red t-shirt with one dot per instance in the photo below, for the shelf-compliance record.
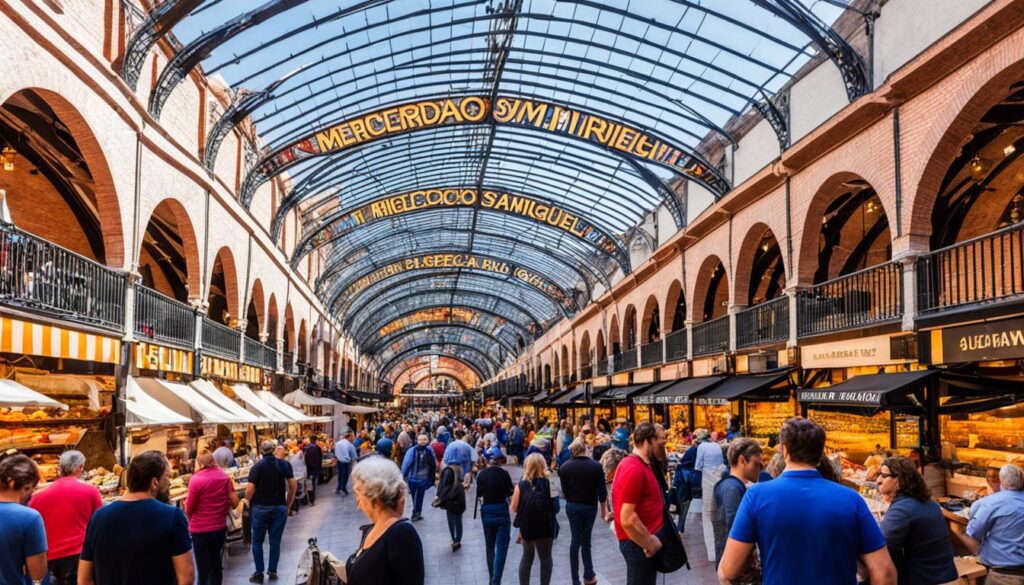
(638, 504)
(66, 507)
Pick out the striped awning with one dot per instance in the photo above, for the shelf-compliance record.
(29, 338)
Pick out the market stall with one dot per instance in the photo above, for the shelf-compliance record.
(762, 403)
(572, 403)
(676, 397)
(617, 397)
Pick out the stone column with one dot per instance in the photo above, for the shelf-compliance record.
(241, 324)
(689, 339)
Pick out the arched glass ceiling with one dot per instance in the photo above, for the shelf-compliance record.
(617, 98)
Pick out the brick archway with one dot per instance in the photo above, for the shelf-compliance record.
(189, 244)
(703, 284)
(744, 265)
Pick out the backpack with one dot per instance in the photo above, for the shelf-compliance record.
(536, 510)
(450, 493)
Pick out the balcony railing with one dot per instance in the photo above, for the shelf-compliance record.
(767, 322)
(870, 296)
(586, 372)
(289, 361)
(627, 360)
(711, 337)
(220, 341)
(985, 269)
(264, 356)
(40, 276)
(602, 368)
(163, 320)
(675, 346)
(652, 354)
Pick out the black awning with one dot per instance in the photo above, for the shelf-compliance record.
(871, 391)
(540, 396)
(647, 396)
(570, 397)
(616, 393)
(681, 391)
(553, 397)
(765, 387)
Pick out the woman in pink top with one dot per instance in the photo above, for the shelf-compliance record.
(66, 507)
(211, 493)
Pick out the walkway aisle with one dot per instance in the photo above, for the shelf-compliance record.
(334, 522)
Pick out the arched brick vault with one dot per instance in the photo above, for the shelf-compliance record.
(231, 289)
(629, 320)
(259, 302)
(744, 260)
(952, 123)
(600, 348)
(302, 343)
(613, 333)
(190, 247)
(289, 329)
(645, 322)
(107, 203)
(565, 361)
(668, 313)
(273, 326)
(704, 273)
(584, 351)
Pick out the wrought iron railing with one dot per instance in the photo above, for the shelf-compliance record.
(763, 323)
(220, 340)
(627, 360)
(652, 354)
(711, 337)
(602, 368)
(985, 269)
(289, 361)
(264, 356)
(869, 296)
(586, 371)
(675, 346)
(164, 320)
(40, 276)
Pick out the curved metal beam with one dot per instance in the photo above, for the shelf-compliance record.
(362, 334)
(475, 368)
(492, 365)
(539, 210)
(440, 329)
(615, 136)
(423, 365)
(159, 21)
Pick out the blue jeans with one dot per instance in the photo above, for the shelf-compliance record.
(639, 569)
(497, 533)
(417, 488)
(344, 469)
(264, 519)
(581, 524)
(455, 526)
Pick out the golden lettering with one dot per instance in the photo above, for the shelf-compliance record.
(504, 109)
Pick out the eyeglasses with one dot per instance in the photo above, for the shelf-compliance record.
(885, 475)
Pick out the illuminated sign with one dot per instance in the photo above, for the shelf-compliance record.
(461, 197)
(545, 116)
(433, 315)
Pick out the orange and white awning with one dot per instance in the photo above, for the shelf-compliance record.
(28, 338)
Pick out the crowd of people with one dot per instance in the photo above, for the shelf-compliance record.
(782, 521)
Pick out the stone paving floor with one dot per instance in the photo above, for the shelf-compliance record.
(334, 522)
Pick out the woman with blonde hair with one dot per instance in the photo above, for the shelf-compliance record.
(533, 503)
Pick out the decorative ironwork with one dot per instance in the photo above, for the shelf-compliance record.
(767, 322)
(221, 341)
(711, 337)
(867, 297)
(145, 30)
(163, 319)
(675, 346)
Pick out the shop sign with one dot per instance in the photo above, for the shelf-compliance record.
(710, 401)
(149, 356)
(840, 397)
(251, 374)
(670, 400)
(473, 109)
(211, 366)
(28, 338)
(992, 340)
(851, 353)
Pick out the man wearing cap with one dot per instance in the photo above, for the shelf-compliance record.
(494, 487)
(621, 436)
(269, 480)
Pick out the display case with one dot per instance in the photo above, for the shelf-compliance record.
(641, 413)
(713, 417)
(764, 419)
(853, 434)
(985, 438)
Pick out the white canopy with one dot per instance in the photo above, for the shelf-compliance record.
(86, 386)
(354, 409)
(295, 414)
(13, 394)
(256, 405)
(299, 398)
(187, 402)
(144, 410)
(211, 392)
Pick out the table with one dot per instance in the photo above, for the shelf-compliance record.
(969, 570)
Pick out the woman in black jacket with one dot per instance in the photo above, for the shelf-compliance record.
(534, 507)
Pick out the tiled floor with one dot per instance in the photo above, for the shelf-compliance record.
(334, 522)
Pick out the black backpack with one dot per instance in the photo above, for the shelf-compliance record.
(536, 511)
(450, 493)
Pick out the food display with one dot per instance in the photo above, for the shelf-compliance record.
(641, 412)
(854, 435)
(712, 417)
(179, 488)
(108, 482)
(981, 438)
(764, 419)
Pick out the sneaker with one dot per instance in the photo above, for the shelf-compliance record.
(272, 575)
(416, 518)
(456, 546)
(257, 577)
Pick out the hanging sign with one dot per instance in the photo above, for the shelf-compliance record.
(992, 340)
(149, 356)
(219, 368)
(851, 353)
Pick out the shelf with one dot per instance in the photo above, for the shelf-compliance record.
(50, 422)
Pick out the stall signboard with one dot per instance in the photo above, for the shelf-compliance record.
(149, 356)
(850, 353)
(992, 340)
(28, 338)
(225, 369)
(251, 374)
(664, 400)
(826, 396)
(478, 109)
(710, 401)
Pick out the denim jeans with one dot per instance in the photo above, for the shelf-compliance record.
(581, 524)
(417, 488)
(267, 519)
(497, 533)
(540, 547)
(63, 571)
(639, 569)
(208, 548)
(455, 526)
(344, 469)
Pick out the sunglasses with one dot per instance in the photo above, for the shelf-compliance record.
(885, 475)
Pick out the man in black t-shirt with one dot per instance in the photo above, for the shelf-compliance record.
(270, 494)
(494, 487)
(314, 457)
(139, 538)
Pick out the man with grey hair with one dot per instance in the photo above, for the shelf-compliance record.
(269, 480)
(66, 507)
(996, 529)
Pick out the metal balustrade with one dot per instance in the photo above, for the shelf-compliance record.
(986, 269)
(711, 337)
(867, 297)
(586, 372)
(163, 320)
(602, 368)
(42, 277)
(763, 323)
(627, 360)
(676, 346)
(220, 341)
(652, 354)
(289, 361)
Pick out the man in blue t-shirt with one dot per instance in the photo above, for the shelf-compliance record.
(807, 529)
(139, 538)
(22, 532)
